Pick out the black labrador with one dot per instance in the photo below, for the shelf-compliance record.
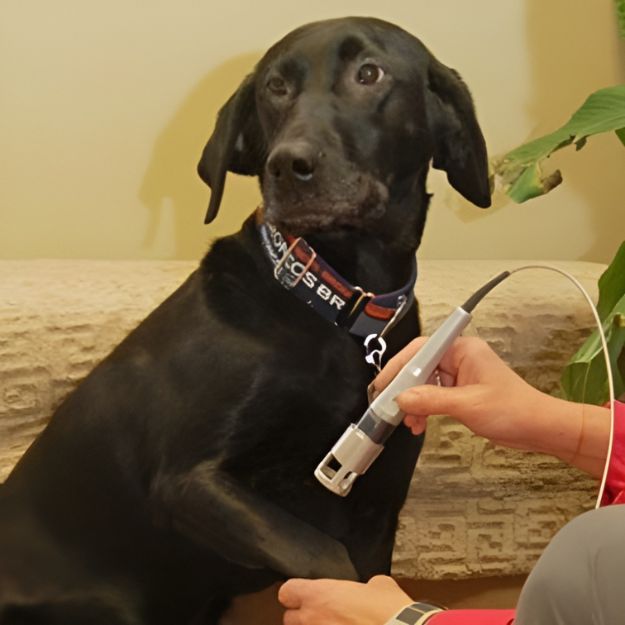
(180, 472)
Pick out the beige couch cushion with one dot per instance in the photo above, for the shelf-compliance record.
(474, 509)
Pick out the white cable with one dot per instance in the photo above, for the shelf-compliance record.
(606, 356)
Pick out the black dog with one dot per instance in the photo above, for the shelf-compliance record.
(180, 472)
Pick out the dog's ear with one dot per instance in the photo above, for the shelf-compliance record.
(459, 147)
(236, 144)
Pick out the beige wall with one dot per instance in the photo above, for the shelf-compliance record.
(105, 106)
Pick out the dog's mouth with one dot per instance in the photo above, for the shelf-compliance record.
(356, 201)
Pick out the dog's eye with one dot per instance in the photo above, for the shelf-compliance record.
(369, 74)
(277, 85)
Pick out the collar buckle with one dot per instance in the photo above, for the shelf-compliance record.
(360, 299)
(285, 274)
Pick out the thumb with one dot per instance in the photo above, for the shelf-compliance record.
(428, 399)
(292, 592)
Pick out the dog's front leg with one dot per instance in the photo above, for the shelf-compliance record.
(214, 510)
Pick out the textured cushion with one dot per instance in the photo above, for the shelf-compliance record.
(473, 509)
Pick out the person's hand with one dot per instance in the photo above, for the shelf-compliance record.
(482, 392)
(334, 602)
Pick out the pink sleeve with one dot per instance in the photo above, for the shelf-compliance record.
(473, 617)
(615, 484)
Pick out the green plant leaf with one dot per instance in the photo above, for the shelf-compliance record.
(584, 379)
(531, 183)
(620, 14)
(612, 284)
(520, 169)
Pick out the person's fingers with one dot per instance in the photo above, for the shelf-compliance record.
(428, 399)
(290, 594)
(416, 423)
(292, 617)
(473, 350)
(394, 365)
(382, 581)
(434, 378)
(446, 379)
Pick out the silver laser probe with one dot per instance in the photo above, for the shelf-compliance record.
(363, 442)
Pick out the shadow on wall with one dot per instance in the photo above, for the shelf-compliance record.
(172, 191)
(563, 79)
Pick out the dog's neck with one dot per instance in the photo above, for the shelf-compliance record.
(380, 258)
(364, 259)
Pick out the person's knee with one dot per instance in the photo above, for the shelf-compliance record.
(595, 538)
(559, 568)
(584, 553)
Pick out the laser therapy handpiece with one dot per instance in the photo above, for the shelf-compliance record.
(363, 442)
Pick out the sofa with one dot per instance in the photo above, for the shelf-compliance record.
(474, 509)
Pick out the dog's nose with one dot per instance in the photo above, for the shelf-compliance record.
(293, 160)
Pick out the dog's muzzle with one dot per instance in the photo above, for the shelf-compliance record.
(294, 163)
(306, 189)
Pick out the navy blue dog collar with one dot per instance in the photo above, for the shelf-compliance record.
(298, 268)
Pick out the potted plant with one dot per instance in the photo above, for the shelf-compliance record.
(520, 173)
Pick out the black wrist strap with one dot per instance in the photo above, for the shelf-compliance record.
(416, 613)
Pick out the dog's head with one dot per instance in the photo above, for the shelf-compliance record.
(337, 119)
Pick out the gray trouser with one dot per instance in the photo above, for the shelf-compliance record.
(580, 578)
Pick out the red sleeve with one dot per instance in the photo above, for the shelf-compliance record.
(615, 484)
(472, 617)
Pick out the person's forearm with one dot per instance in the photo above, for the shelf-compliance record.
(575, 433)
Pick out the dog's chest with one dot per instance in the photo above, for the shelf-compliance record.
(303, 396)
